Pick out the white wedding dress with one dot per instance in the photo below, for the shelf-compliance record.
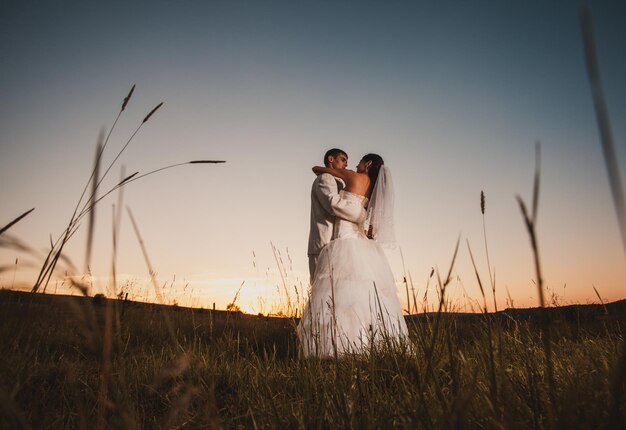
(353, 303)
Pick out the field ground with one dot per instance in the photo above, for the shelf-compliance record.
(174, 367)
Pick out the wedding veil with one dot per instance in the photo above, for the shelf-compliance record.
(380, 209)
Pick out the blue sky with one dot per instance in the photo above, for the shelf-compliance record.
(453, 95)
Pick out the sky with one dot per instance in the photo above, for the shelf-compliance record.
(453, 95)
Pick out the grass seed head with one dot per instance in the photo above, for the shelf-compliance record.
(128, 178)
(207, 161)
(127, 98)
(152, 112)
(482, 202)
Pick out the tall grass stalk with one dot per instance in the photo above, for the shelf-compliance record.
(152, 274)
(121, 151)
(415, 309)
(492, 279)
(283, 276)
(530, 221)
(94, 173)
(615, 180)
(92, 213)
(15, 221)
(406, 284)
(55, 252)
(435, 330)
(56, 248)
(490, 345)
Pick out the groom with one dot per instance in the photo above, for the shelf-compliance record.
(326, 204)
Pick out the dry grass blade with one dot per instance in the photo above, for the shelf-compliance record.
(82, 286)
(86, 210)
(16, 220)
(480, 284)
(615, 182)
(456, 251)
(406, 285)
(530, 227)
(92, 210)
(536, 181)
(435, 329)
(112, 163)
(14, 243)
(490, 346)
(283, 275)
(49, 263)
(606, 311)
(152, 277)
(604, 124)
(91, 203)
(125, 145)
(152, 112)
(232, 306)
(132, 178)
(96, 165)
(87, 207)
(492, 279)
(116, 221)
(545, 324)
(146, 258)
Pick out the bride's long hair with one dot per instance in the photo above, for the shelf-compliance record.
(380, 205)
(377, 162)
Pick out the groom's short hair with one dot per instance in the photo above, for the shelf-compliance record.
(333, 153)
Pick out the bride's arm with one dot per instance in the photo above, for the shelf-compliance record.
(345, 174)
(326, 193)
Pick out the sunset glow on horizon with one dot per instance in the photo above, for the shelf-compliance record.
(453, 96)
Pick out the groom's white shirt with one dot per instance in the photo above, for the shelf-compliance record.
(326, 204)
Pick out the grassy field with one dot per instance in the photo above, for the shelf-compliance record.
(82, 362)
(172, 367)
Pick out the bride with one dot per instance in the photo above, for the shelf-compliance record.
(353, 303)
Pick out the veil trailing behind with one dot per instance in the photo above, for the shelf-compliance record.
(380, 209)
(353, 304)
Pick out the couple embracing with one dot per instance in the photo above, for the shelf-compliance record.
(353, 305)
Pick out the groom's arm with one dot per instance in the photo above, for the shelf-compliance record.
(331, 201)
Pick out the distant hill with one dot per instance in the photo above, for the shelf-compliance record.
(9, 296)
(570, 313)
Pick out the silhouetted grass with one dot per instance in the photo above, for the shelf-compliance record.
(237, 370)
